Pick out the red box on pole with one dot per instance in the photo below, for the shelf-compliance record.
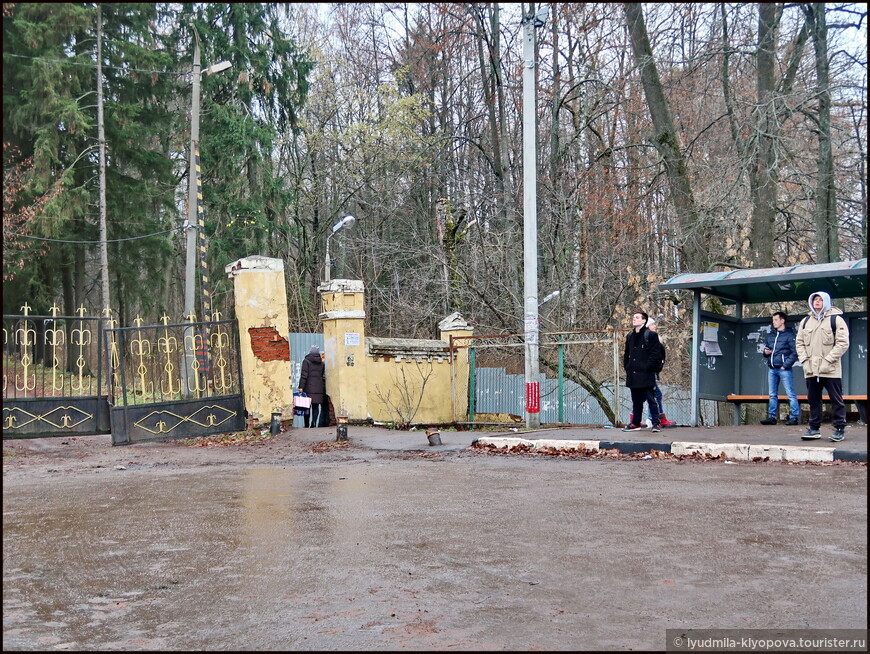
(533, 397)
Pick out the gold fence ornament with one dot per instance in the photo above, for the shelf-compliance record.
(80, 337)
(221, 342)
(168, 344)
(55, 338)
(114, 355)
(190, 344)
(141, 347)
(25, 336)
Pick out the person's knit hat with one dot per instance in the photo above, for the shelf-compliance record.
(314, 350)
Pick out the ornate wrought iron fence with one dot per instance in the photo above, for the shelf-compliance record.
(174, 380)
(53, 375)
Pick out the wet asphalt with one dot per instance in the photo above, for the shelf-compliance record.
(388, 543)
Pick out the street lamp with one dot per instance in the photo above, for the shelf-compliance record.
(531, 322)
(347, 221)
(193, 181)
(551, 296)
(193, 194)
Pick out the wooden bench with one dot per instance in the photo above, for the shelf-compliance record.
(784, 398)
(859, 400)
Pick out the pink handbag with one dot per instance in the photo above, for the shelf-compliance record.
(302, 402)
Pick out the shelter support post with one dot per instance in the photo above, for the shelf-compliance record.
(696, 360)
(738, 311)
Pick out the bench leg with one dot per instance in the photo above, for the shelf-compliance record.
(737, 414)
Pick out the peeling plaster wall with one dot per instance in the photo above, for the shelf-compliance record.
(261, 309)
(383, 378)
(343, 318)
(396, 384)
(268, 345)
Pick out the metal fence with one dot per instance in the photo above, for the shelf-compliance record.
(174, 380)
(53, 375)
(572, 363)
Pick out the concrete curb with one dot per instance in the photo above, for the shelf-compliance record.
(733, 451)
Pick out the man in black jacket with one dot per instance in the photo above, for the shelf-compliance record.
(642, 353)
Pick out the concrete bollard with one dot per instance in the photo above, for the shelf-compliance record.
(275, 426)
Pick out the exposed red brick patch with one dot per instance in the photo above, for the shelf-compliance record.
(268, 345)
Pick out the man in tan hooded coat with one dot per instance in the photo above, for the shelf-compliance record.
(820, 346)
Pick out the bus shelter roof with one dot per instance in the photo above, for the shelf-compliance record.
(840, 279)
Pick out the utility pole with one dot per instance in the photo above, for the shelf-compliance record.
(531, 322)
(101, 138)
(193, 222)
(191, 226)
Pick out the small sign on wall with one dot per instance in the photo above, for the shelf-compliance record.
(351, 338)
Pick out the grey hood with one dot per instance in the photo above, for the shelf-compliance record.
(826, 304)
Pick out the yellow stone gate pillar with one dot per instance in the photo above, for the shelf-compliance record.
(261, 311)
(344, 347)
(455, 325)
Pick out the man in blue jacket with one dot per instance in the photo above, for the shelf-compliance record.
(781, 354)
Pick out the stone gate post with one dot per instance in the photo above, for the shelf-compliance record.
(344, 347)
(261, 311)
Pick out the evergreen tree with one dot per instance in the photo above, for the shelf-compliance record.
(50, 115)
(244, 112)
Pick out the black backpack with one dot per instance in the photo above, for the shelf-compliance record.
(660, 363)
(833, 325)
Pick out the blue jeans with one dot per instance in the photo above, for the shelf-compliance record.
(774, 376)
(658, 395)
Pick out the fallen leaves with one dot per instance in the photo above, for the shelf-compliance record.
(615, 454)
(326, 446)
(250, 437)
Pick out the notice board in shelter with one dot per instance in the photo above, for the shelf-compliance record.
(717, 374)
(742, 369)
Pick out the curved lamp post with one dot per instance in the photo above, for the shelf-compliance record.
(347, 221)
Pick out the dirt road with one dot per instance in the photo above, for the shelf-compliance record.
(299, 543)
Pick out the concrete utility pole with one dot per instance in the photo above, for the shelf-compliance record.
(193, 200)
(101, 137)
(191, 226)
(531, 322)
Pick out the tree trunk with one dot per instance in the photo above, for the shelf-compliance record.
(695, 246)
(101, 137)
(763, 175)
(827, 232)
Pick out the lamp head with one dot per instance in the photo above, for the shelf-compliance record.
(551, 296)
(347, 221)
(218, 67)
(541, 15)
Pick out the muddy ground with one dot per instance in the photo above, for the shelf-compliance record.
(298, 542)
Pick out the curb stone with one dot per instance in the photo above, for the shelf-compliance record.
(734, 451)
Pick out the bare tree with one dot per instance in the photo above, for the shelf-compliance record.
(826, 206)
(695, 250)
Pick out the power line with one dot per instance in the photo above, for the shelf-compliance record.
(93, 64)
(115, 240)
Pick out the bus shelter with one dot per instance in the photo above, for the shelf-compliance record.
(726, 351)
